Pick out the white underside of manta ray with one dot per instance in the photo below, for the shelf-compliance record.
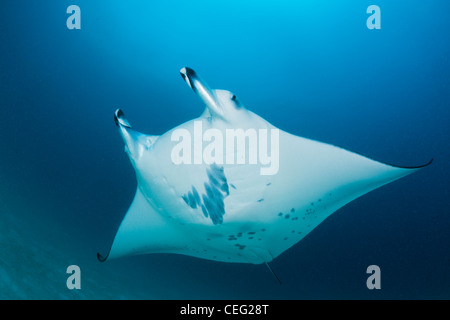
(231, 212)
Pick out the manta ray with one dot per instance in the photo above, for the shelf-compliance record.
(235, 212)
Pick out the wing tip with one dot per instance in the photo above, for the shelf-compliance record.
(414, 167)
(102, 258)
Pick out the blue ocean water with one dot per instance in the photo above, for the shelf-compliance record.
(311, 68)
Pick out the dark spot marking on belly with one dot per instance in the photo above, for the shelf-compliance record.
(212, 178)
(205, 212)
(225, 188)
(192, 201)
(214, 211)
(196, 195)
(211, 203)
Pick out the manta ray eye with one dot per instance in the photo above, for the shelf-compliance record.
(236, 101)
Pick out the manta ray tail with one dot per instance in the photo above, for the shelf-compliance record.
(275, 275)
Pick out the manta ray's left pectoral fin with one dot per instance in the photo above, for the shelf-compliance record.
(143, 231)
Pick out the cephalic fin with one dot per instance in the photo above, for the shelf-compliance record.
(201, 88)
(135, 141)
